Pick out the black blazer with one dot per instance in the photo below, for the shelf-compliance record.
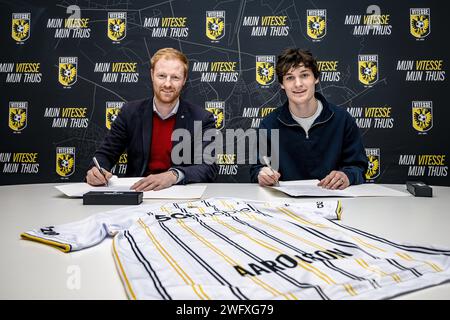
(132, 131)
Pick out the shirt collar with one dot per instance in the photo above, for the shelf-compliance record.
(174, 110)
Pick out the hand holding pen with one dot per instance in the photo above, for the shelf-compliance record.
(267, 175)
(97, 175)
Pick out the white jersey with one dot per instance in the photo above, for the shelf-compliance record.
(225, 248)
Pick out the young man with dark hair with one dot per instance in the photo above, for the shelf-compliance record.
(144, 129)
(317, 140)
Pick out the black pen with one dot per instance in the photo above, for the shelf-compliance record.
(100, 169)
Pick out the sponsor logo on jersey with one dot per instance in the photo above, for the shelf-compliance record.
(117, 25)
(18, 115)
(111, 112)
(419, 22)
(68, 70)
(215, 25)
(265, 70)
(373, 169)
(20, 26)
(368, 69)
(316, 23)
(422, 115)
(65, 161)
(217, 108)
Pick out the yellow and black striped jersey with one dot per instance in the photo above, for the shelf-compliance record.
(224, 248)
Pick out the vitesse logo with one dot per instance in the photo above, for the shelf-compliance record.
(373, 168)
(265, 70)
(117, 25)
(20, 30)
(316, 23)
(65, 161)
(217, 108)
(368, 68)
(18, 115)
(419, 22)
(422, 115)
(67, 72)
(112, 111)
(215, 24)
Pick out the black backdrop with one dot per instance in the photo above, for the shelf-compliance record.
(50, 129)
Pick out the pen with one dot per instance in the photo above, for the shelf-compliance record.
(100, 169)
(267, 162)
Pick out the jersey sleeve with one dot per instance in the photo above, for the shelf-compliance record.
(88, 232)
(330, 209)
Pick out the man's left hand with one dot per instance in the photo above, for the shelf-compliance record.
(155, 182)
(335, 180)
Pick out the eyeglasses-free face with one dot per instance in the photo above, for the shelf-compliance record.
(168, 80)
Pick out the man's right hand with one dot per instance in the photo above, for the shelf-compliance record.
(95, 178)
(267, 177)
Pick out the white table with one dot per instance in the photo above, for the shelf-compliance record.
(30, 270)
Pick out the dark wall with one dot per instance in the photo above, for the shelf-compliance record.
(50, 129)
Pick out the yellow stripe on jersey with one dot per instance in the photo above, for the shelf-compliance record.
(260, 242)
(366, 266)
(201, 210)
(58, 245)
(339, 210)
(407, 257)
(293, 235)
(300, 219)
(320, 274)
(368, 245)
(122, 271)
(164, 209)
(173, 263)
(233, 263)
(226, 204)
(350, 289)
(434, 266)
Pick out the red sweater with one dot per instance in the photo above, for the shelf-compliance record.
(161, 144)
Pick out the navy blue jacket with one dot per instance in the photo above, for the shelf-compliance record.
(131, 131)
(333, 143)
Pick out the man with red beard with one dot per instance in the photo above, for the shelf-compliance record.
(144, 129)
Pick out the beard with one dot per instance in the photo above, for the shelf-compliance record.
(169, 95)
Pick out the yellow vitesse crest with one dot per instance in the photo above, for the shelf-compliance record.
(20, 30)
(215, 24)
(111, 112)
(265, 70)
(68, 70)
(316, 23)
(373, 166)
(65, 161)
(18, 115)
(368, 68)
(419, 22)
(422, 115)
(117, 25)
(217, 108)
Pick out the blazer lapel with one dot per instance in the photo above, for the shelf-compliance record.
(181, 116)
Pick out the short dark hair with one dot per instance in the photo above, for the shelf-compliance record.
(292, 58)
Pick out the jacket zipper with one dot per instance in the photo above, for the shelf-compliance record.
(314, 124)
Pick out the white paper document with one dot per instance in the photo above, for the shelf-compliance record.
(309, 188)
(124, 184)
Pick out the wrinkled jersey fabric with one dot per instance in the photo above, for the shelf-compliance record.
(224, 248)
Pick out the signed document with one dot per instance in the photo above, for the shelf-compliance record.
(123, 184)
(309, 188)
